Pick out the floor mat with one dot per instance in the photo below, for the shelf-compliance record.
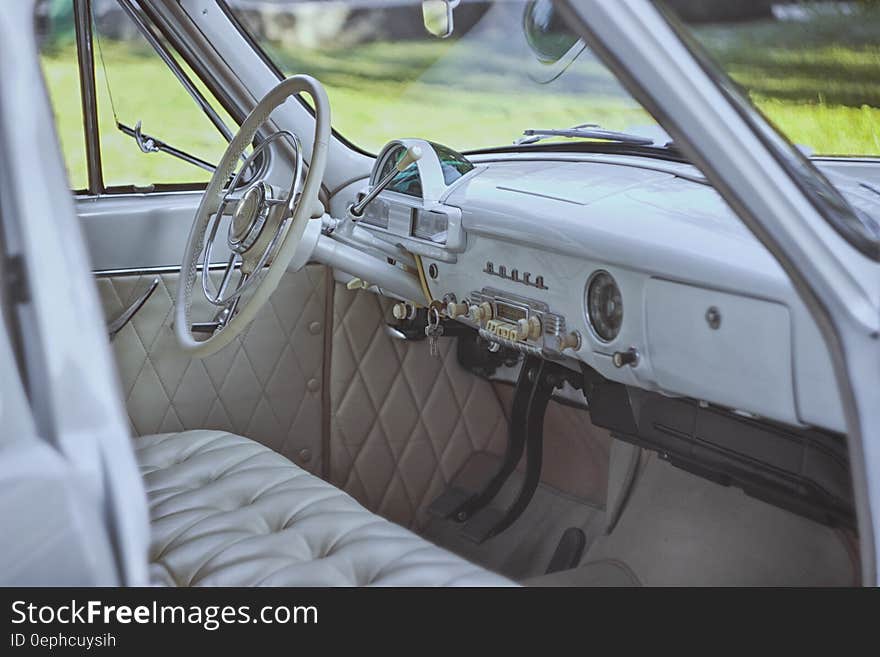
(525, 548)
(678, 529)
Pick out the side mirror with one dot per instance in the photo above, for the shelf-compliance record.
(437, 15)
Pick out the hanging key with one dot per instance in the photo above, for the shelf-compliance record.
(433, 331)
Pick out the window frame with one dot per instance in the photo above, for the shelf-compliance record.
(85, 43)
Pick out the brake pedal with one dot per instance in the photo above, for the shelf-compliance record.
(568, 551)
(449, 502)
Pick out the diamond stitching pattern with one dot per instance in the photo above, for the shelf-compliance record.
(402, 423)
(256, 386)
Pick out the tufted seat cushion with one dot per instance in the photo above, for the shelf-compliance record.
(227, 511)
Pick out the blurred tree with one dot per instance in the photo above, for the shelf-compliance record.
(721, 11)
(59, 25)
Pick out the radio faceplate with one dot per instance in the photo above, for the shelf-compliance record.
(520, 323)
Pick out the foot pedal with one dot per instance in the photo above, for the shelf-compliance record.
(449, 502)
(482, 524)
(569, 551)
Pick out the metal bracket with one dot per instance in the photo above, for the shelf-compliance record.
(147, 145)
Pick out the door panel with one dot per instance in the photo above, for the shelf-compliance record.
(138, 231)
(402, 422)
(267, 384)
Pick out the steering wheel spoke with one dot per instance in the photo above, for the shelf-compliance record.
(227, 276)
(228, 203)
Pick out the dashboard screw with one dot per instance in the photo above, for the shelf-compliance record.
(713, 318)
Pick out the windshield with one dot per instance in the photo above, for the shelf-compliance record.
(509, 66)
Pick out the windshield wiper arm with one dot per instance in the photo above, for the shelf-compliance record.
(584, 131)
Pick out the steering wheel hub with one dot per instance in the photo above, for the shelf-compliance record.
(249, 217)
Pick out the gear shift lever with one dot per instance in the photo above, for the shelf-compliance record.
(412, 154)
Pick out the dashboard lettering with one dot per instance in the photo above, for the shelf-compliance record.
(514, 276)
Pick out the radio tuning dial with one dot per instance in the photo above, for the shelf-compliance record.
(528, 329)
(481, 313)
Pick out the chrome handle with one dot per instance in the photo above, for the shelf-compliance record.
(208, 328)
(394, 333)
(119, 323)
(412, 154)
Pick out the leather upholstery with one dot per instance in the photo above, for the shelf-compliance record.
(403, 423)
(266, 384)
(228, 511)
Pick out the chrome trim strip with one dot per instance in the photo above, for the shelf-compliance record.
(114, 327)
(178, 72)
(144, 271)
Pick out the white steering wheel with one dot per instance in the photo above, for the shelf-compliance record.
(266, 224)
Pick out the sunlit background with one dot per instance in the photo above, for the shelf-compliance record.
(813, 68)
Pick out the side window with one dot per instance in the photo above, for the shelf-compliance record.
(812, 68)
(136, 93)
(55, 33)
(134, 85)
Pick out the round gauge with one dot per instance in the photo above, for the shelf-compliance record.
(604, 306)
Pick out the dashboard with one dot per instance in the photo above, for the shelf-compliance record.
(633, 266)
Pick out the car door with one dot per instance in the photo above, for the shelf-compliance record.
(138, 148)
(829, 252)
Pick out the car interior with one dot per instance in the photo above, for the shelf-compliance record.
(405, 365)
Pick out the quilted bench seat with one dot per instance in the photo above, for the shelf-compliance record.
(227, 511)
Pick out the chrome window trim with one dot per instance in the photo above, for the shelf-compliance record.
(175, 68)
(85, 56)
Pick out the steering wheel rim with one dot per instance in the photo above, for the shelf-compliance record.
(291, 222)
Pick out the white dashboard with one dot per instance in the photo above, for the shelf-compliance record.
(632, 266)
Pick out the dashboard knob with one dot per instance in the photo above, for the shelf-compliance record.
(357, 284)
(480, 313)
(629, 357)
(534, 328)
(402, 311)
(570, 341)
(528, 329)
(454, 310)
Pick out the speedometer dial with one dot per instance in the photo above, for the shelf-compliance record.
(604, 306)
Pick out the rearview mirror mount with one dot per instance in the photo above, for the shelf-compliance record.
(437, 15)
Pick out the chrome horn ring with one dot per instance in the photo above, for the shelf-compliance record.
(280, 238)
(252, 211)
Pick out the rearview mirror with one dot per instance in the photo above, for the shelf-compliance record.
(437, 15)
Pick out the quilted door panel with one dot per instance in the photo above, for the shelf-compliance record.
(402, 423)
(267, 384)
